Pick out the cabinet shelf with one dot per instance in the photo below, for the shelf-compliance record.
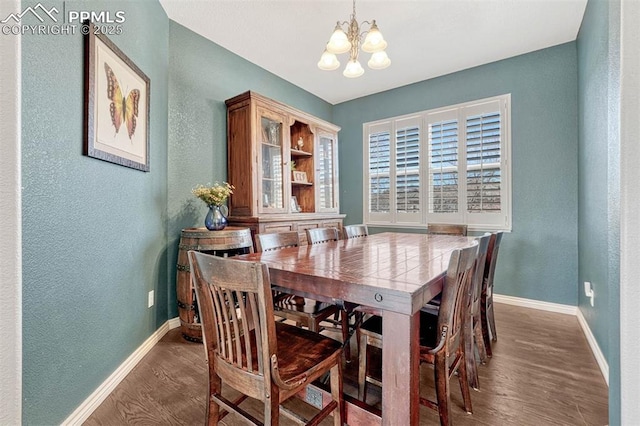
(295, 153)
(271, 145)
(301, 183)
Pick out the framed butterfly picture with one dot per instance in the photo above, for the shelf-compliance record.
(116, 104)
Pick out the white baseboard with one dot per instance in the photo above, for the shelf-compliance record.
(535, 304)
(562, 309)
(94, 400)
(597, 353)
(174, 323)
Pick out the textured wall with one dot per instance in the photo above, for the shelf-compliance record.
(93, 232)
(599, 178)
(202, 75)
(538, 260)
(629, 293)
(10, 221)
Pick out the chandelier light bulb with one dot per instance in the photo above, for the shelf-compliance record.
(339, 42)
(353, 69)
(374, 42)
(328, 61)
(379, 61)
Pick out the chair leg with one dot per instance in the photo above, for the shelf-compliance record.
(344, 317)
(443, 392)
(492, 322)
(485, 327)
(272, 407)
(213, 409)
(479, 340)
(470, 359)
(463, 379)
(362, 369)
(337, 395)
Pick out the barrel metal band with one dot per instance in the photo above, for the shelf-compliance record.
(244, 244)
(191, 307)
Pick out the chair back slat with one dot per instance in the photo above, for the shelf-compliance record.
(355, 231)
(253, 313)
(322, 235)
(278, 240)
(446, 229)
(455, 294)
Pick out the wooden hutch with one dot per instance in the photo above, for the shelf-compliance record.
(284, 165)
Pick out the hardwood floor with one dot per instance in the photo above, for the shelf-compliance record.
(542, 373)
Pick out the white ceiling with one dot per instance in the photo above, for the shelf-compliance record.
(427, 38)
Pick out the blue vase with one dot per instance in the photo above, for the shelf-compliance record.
(216, 220)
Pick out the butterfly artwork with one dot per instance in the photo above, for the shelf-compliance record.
(123, 110)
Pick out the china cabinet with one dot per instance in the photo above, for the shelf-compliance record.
(284, 165)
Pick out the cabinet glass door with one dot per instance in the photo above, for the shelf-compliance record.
(271, 167)
(326, 174)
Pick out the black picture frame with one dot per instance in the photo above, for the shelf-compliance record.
(116, 104)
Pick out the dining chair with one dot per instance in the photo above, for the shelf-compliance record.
(321, 236)
(476, 338)
(487, 315)
(354, 231)
(304, 312)
(251, 352)
(446, 229)
(442, 342)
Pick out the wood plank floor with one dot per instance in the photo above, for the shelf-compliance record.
(542, 373)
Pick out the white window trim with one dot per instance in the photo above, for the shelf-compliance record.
(502, 221)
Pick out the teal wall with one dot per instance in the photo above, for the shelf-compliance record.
(599, 188)
(94, 233)
(202, 75)
(538, 260)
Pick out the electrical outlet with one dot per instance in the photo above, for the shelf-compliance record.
(314, 397)
(588, 291)
(151, 299)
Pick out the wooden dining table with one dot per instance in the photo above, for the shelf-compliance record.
(394, 274)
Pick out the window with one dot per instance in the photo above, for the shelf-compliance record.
(447, 165)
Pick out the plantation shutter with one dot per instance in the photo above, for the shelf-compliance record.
(484, 130)
(446, 165)
(379, 164)
(443, 167)
(407, 170)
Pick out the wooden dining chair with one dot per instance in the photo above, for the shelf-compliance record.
(355, 231)
(442, 342)
(476, 338)
(446, 229)
(251, 352)
(304, 312)
(325, 235)
(322, 235)
(487, 315)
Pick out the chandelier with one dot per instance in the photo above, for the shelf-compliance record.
(342, 41)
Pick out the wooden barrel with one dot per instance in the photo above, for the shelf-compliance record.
(228, 242)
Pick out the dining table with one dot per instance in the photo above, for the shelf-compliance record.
(393, 274)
